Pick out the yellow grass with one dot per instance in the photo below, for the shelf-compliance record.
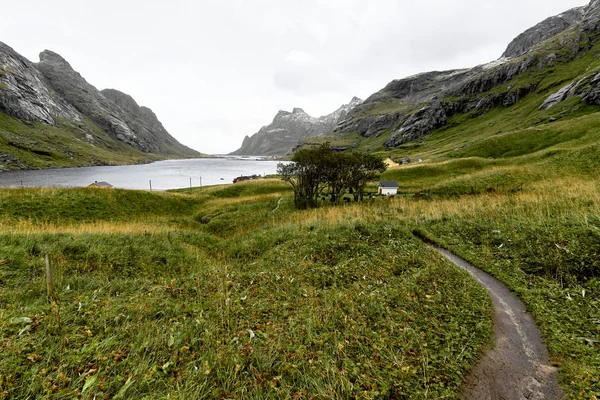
(564, 197)
(559, 198)
(336, 214)
(101, 227)
(227, 201)
(391, 163)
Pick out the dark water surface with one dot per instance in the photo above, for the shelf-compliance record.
(170, 174)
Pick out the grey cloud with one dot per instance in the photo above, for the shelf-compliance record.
(302, 74)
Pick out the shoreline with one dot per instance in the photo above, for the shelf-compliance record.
(142, 162)
(156, 175)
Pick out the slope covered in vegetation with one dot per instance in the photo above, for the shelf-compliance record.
(518, 104)
(215, 294)
(230, 292)
(254, 303)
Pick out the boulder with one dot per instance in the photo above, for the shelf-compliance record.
(557, 97)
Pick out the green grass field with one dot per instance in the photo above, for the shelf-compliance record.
(229, 292)
(209, 293)
(252, 304)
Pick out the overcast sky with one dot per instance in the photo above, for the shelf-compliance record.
(216, 70)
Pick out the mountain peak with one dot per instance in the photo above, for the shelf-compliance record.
(48, 56)
(297, 110)
(114, 111)
(282, 113)
(420, 104)
(354, 102)
(546, 29)
(288, 129)
(24, 93)
(51, 92)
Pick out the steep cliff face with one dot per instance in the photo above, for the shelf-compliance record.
(144, 123)
(24, 92)
(408, 109)
(114, 111)
(70, 85)
(408, 95)
(52, 93)
(289, 128)
(412, 107)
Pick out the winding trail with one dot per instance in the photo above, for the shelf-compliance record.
(517, 367)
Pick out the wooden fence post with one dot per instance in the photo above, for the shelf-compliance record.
(49, 281)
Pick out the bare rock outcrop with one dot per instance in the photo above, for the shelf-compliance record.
(419, 124)
(24, 92)
(543, 31)
(587, 88)
(143, 122)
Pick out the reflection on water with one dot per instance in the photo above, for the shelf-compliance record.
(170, 174)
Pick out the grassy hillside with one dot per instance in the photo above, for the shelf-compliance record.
(33, 145)
(210, 293)
(252, 304)
(228, 292)
(498, 131)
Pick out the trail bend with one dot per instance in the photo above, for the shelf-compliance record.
(518, 367)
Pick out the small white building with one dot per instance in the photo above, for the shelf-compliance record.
(388, 188)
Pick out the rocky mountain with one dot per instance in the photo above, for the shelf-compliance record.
(141, 119)
(25, 93)
(51, 93)
(543, 31)
(289, 128)
(408, 109)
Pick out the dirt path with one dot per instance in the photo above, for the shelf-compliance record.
(278, 204)
(517, 367)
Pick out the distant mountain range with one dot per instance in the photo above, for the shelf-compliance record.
(408, 109)
(51, 116)
(545, 66)
(288, 129)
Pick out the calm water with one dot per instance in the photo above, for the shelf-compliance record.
(171, 174)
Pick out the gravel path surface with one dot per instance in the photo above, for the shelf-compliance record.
(517, 367)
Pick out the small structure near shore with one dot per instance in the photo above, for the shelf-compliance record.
(245, 178)
(101, 185)
(387, 188)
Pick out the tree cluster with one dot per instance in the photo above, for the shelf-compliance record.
(320, 171)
